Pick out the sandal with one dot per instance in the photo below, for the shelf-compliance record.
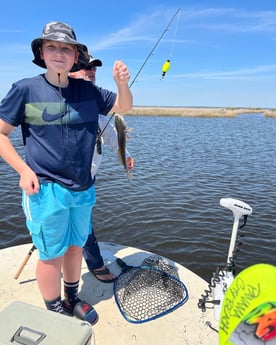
(82, 310)
(98, 273)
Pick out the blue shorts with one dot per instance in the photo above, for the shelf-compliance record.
(58, 218)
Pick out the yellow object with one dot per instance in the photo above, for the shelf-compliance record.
(248, 313)
(165, 67)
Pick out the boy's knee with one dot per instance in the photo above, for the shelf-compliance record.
(74, 250)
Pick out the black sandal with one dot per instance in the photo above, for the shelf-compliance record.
(98, 273)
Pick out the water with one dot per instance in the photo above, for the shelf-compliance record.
(183, 167)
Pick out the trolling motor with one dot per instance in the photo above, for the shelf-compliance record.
(222, 279)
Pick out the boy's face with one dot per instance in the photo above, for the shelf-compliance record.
(59, 57)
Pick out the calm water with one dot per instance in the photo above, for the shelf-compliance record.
(171, 207)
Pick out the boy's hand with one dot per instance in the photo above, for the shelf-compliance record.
(121, 73)
(29, 182)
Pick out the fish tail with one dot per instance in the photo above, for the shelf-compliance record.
(129, 175)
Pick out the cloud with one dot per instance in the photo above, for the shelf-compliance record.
(231, 20)
(260, 72)
(144, 28)
(149, 26)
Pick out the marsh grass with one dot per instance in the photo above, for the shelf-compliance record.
(198, 112)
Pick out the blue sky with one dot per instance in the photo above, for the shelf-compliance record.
(222, 52)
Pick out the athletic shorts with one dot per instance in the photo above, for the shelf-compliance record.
(58, 218)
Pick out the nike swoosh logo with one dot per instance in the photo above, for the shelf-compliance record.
(51, 117)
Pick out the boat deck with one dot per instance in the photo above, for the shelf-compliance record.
(185, 325)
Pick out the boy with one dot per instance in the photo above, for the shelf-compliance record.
(59, 119)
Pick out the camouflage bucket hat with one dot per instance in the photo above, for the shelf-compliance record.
(60, 32)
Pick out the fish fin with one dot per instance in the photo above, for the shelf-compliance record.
(129, 130)
(129, 175)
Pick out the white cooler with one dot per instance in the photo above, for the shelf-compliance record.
(26, 324)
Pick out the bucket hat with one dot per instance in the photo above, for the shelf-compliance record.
(60, 32)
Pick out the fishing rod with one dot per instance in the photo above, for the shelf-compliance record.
(146, 60)
(24, 262)
(155, 46)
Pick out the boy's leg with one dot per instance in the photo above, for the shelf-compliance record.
(72, 304)
(49, 283)
(48, 278)
(50, 229)
(72, 264)
(71, 276)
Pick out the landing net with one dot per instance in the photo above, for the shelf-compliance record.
(149, 291)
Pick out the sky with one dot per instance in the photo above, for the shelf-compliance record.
(222, 52)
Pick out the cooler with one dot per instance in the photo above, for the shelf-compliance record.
(26, 324)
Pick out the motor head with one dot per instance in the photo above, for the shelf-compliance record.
(239, 208)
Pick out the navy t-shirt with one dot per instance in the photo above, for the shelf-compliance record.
(59, 127)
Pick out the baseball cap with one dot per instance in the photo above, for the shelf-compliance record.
(94, 62)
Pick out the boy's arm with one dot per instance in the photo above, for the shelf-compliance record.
(28, 179)
(124, 99)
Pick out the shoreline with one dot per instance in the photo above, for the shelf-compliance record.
(198, 111)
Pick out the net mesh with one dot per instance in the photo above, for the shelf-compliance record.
(149, 291)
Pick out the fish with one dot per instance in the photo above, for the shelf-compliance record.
(122, 134)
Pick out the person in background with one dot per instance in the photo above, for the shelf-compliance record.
(88, 73)
(58, 116)
(106, 134)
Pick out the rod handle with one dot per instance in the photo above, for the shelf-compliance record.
(24, 262)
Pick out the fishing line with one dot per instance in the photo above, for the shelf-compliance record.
(167, 64)
(156, 44)
(150, 54)
(174, 36)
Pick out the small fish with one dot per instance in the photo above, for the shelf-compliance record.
(122, 133)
